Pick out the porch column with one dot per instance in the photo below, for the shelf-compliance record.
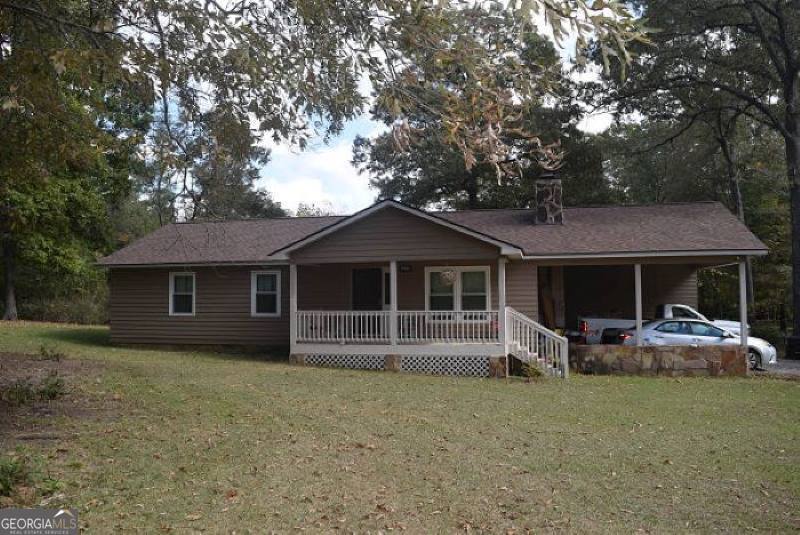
(637, 276)
(743, 303)
(393, 302)
(292, 307)
(501, 301)
(501, 308)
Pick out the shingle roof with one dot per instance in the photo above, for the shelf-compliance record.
(665, 228)
(695, 227)
(220, 242)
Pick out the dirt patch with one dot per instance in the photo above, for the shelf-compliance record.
(36, 420)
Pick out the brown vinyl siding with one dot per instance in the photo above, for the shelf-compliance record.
(608, 291)
(324, 287)
(522, 292)
(393, 234)
(139, 308)
(328, 287)
(668, 284)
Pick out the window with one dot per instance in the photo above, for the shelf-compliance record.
(701, 329)
(458, 288)
(442, 292)
(181, 294)
(474, 290)
(674, 327)
(265, 293)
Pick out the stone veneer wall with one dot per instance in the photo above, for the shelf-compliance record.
(669, 361)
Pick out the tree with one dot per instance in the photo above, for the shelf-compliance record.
(314, 210)
(67, 141)
(438, 171)
(212, 175)
(435, 174)
(649, 163)
(742, 54)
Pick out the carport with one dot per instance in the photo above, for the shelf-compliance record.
(627, 287)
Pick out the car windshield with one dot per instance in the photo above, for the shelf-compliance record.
(704, 329)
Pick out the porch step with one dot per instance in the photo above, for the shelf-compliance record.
(533, 343)
(533, 358)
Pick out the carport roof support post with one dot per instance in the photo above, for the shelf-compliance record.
(743, 302)
(637, 274)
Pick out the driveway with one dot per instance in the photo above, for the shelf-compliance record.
(784, 368)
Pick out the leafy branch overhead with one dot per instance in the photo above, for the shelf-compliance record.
(293, 69)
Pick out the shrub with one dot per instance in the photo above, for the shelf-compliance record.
(48, 353)
(51, 387)
(531, 370)
(22, 391)
(84, 309)
(769, 331)
(13, 473)
(18, 393)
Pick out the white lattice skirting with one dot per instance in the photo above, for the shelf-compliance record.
(474, 366)
(355, 362)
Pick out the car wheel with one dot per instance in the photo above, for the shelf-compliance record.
(754, 359)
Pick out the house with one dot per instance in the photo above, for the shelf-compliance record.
(395, 287)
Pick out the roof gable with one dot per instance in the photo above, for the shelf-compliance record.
(505, 247)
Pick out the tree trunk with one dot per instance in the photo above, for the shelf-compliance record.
(731, 159)
(793, 170)
(9, 276)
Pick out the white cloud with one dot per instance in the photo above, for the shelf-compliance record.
(322, 174)
(318, 176)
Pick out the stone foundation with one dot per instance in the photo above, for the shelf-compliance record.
(497, 367)
(297, 358)
(668, 361)
(392, 363)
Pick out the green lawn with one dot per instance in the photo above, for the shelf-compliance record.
(225, 442)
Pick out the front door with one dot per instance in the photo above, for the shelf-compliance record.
(368, 289)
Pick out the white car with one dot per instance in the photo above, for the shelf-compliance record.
(594, 329)
(685, 332)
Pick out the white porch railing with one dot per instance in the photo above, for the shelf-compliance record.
(413, 327)
(343, 326)
(448, 327)
(532, 342)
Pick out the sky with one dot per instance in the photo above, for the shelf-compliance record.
(321, 174)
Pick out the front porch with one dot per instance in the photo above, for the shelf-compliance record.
(414, 316)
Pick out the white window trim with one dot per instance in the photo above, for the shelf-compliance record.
(172, 276)
(457, 286)
(254, 287)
